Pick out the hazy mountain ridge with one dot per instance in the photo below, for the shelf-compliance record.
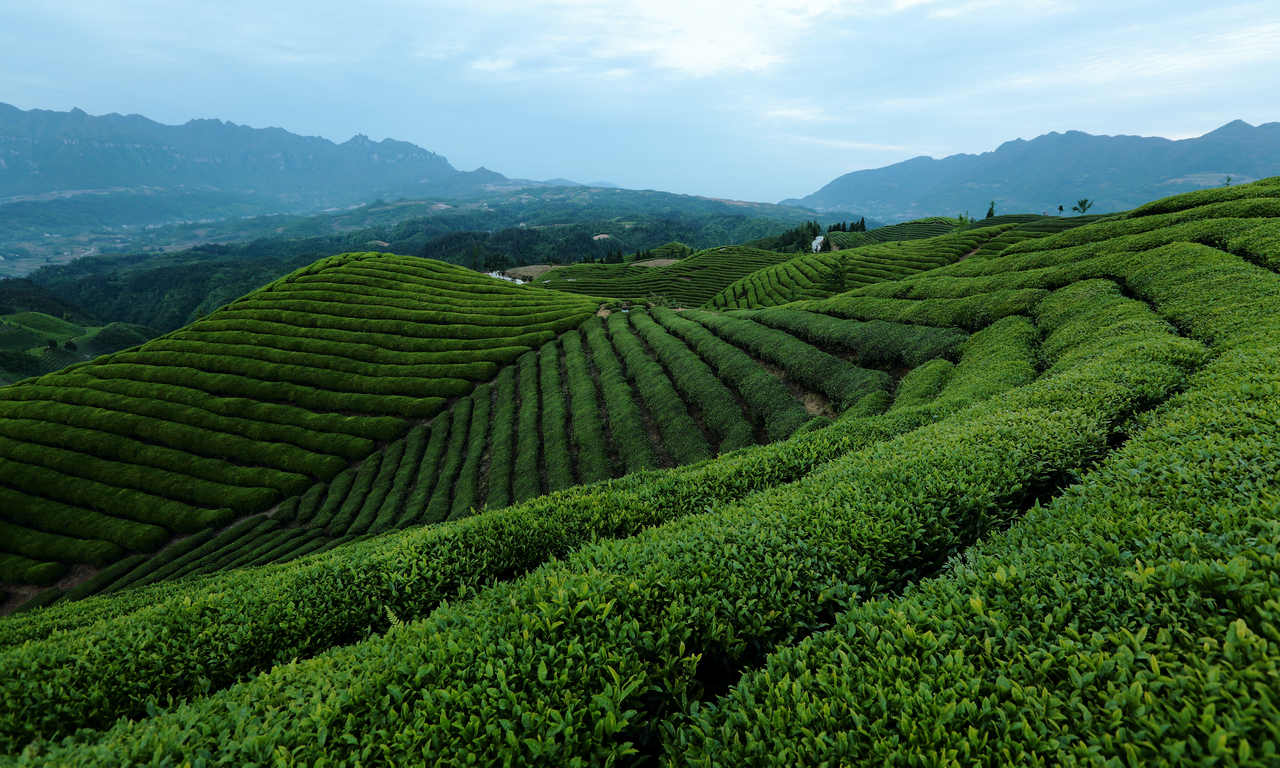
(1118, 172)
(44, 152)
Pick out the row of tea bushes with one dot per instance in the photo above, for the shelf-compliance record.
(217, 420)
(1130, 621)
(621, 631)
(690, 282)
(821, 275)
(340, 596)
(841, 381)
(921, 229)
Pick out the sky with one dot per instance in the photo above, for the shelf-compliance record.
(742, 100)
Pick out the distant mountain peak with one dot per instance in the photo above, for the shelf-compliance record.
(1116, 172)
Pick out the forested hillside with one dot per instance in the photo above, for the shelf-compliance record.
(170, 289)
(1012, 501)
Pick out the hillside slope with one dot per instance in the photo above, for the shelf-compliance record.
(689, 282)
(253, 404)
(1059, 547)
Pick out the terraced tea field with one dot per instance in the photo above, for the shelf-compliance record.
(258, 402)
(821, 275)
(1054, 540)
(691, 282)
(921, 229)
(635, 392)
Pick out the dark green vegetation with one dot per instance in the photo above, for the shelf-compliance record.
(894, 253)
(33, 343)
(1057, 542)
(912, 230)
(690, 282)
(168, 290)
(252, 405)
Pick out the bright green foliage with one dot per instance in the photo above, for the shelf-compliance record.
(1119, 587)
(874, 343)
(216, 418)
(630, 438)
(690, 282)
(555, 437)
(923, 384)
(841, 381)
(504, 424)
(413, 572)
(767, 398)
(820, 275)
(588, 429)
(466, 490)
(684, 442)
(1009, 567)
(525, 483)
(696, 381)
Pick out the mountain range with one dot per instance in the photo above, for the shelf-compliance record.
(216, 168)
(1116, 172)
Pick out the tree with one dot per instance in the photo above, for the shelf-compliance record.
(1082, 205)
(1227, 183)
(1059, 209)
(71, 345)
(991, 212)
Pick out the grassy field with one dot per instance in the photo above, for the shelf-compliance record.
(1042, 528)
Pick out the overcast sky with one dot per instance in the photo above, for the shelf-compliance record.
(746, 100)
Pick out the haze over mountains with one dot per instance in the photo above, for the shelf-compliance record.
(217, 168)
(144, 172)
(1117, 172)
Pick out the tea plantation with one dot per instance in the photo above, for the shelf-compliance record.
(252, 405)
(1009, 502)
(690, 282)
